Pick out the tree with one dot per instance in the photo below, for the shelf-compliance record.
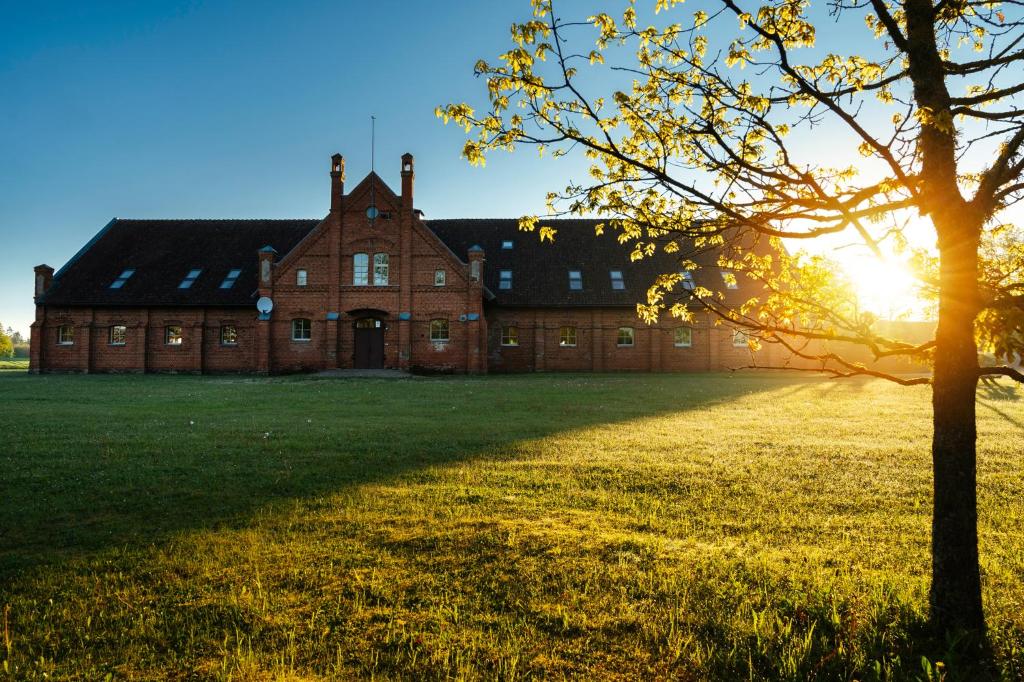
(706, 132)
(6, 347)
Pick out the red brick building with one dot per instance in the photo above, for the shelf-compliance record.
(373, 284)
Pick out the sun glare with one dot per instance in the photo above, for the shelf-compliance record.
(887, 288)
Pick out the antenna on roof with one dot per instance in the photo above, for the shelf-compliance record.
(372, 212)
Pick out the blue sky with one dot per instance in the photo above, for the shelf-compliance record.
(232, 109)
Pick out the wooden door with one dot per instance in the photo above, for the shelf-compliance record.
(369, 344)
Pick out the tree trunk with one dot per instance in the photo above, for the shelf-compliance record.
(956, 581)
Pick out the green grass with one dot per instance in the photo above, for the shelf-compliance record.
(588, 527)
(11, 364)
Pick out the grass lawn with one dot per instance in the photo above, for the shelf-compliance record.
(590, 527)
(9, 364)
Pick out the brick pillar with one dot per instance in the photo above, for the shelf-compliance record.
(539, 363)
(83, 339)
(406, 266)
(37, 332)
(265, 257)
(654, 333)
(476, 326)
(597, 347)
(334, 229)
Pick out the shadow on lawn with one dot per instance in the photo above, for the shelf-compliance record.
(100, 461)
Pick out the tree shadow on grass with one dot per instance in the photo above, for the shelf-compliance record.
(99, 461)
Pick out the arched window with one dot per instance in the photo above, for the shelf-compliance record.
(380, 269)
(66, 335)
(300, 278)
(625, 336)
(439, 330)
(302, 329)
(361, 269)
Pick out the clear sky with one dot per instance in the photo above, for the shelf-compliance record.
(154, 109)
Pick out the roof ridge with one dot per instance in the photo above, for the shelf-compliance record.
(216, 220)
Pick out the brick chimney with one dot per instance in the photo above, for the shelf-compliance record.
(44, 278)
(337, 181)
(267, 255)
(407, 177)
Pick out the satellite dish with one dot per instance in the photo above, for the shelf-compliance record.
(264, 305)
(372, 212)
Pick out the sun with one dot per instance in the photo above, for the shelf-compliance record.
(884, 286)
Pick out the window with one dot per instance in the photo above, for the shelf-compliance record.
(118, 335)
(65, 335)
(510, 335)
(739, 339)
(190, 278)
(625, 336)
(507, 244)
(230, 280)
(687, 282)
(575, 280)
(474, 271)
(683, 337)
(380, 269)
(730, 280)
(172, 335)
(122, 278)
(439, 331)
(302, 329)
(439, 278)
(505, 279)
(300, 278)
(369, 323)
(617, 282)
(567, 337)
(228, 335)
(361, 269)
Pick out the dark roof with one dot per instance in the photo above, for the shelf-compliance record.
(162, 253)
(540, 271)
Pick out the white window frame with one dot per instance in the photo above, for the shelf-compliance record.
(632, 337)
(688, 343)
(739, 339)
(439, 278)
(575, 277)
(361, 269)
(617, 279)
(381, 266)
(564, 332)
(509, 335)
(67, 339)
(298, 326)
(301, 277)
(112, 335)
(437, 326)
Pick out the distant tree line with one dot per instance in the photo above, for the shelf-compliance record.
(12, 343)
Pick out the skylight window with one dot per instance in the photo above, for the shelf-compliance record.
(230, 280)
(575, 280)
(122, 278)
(617, 283)
(507, 244)
(190, 279)
(505, 280)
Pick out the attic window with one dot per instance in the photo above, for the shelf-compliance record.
(230, 280)
(505, 280)
(617, 283)
(506, 244)
(686, 282)
(122, 278)
(190, 279)
(575, 280)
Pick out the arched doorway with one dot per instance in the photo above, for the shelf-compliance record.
(369, 343)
